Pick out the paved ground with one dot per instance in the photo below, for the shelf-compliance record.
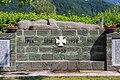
(61, 74)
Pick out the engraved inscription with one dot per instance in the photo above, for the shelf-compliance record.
(4, 53)
(29, 40)
(116, 52)
(59, 50)
(73, 41)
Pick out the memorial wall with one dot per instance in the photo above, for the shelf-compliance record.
(56, 50)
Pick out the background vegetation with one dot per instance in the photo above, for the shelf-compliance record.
(89, 12)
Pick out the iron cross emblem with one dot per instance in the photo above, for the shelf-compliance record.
(61, 41)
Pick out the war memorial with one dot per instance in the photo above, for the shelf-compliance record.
(59, 46)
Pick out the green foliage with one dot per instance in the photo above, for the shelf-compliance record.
(43, 6)
(111, 17)
(13, 7)
(21, 2)
(3, 2)
(79, 7)
(63, 7)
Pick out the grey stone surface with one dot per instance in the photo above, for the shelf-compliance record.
(32, 49)
(82, 49)
(37, 66)
(84, 65)
(43, 33)
(61, 66)
(56, 33)
(72, 66)
(69, 32)
(41, 21)
(45, 49)
(22, 57)
(71, 56)
(23, 66)
(47, 65)
(47, 57)
(7, 35)
(35, 57)
(98, 65)
(24, 24)
(93, 32)
(115, 35)
(58, 56)
(19, 33)
(12, 47)
(52, 23)
(84, 56)
(83, 32)
(20, 49)
(30, 33)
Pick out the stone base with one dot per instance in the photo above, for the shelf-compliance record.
(60, 65)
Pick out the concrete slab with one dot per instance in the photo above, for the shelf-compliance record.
(60, 74)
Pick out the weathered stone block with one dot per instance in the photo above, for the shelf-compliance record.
(58, 57)
(115, 35)
(35, 57)
(32, 49)
(109, 46)
(56, 32)
(109, 56)
(84, 65)
(37, 66)
(71, 57)
(8, 69)
(19, 33)
(20, 49)
(86, 49)
(93, 32)
(43, 33)
(12, 47)
(84, 56)
(69, 32)
(112, 68)
(47, 65)
(109, 62)
(47, 57)
(21, 41)
(72, 66)
(83, 39)
(83, 32)
(22, 57)
(23, 66)
(73, 49)
(30, 33)
(12, 41)
(59, 66)
(7, 35)
(98, 65)
(45, 49)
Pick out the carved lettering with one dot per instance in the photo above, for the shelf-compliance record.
(29, 40)
(59, 50)
(73, 41)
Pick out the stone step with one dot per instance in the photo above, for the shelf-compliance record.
(60, 65)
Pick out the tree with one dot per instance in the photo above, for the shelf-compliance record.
(43, 6)
(21, 2)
